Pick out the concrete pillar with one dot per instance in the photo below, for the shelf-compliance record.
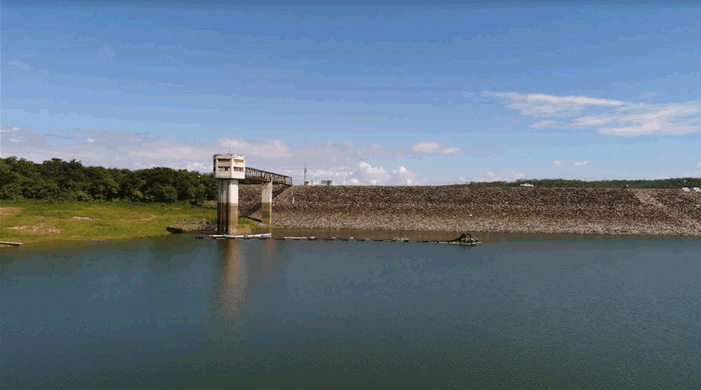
(266, 210)
(228, 209)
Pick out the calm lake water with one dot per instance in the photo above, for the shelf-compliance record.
(520, 312)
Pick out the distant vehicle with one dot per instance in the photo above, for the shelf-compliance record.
(526, 185)
(697, 189)
(327, 182)
(686, 189)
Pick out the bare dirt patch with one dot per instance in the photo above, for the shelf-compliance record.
(40, 229)
(82, 218)
(152, 217)
(9, 211)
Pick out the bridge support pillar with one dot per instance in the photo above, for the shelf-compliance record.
(266, 210)
(228, 208)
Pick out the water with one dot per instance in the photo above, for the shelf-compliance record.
(526, 312)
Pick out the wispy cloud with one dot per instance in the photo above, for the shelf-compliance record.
(543, 124)
(23, 72)
(613, 117)
(433, 147)
(18, 65)
(548, 105)
(106, 52)
(576, 163)
(7, 129)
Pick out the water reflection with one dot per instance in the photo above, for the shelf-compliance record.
(230, 296)
(243, 265)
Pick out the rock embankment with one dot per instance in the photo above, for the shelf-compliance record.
(461, 208)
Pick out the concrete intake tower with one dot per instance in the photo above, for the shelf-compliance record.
(228, 170)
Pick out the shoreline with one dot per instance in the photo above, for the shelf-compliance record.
(455, 209)
(321, 235)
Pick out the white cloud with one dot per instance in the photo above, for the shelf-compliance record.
(557, 163)
(698, 165)
(362, 173)
(613, 117)
(367, 174)
(582, 163)
(468, 94)
(501, 176)
(198, 166)
(344, 162)
(339, 174)
(651, 119)
(402, 176)
(433, 147)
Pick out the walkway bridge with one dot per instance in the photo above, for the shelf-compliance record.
(267, 177)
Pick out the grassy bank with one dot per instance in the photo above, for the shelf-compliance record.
(36, 221)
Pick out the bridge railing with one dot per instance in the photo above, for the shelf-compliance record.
(257, 174)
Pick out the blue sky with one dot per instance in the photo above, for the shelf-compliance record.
(411, 94)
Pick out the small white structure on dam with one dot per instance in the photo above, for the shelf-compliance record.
(307, 182)
(228, 170)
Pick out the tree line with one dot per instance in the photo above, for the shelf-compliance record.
(56, 179)
(678, 183)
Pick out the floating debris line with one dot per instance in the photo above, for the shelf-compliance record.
(465, 239)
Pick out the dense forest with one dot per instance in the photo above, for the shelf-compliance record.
(56, 179)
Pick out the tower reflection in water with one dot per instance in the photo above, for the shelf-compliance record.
(242, 265)
(231, 298)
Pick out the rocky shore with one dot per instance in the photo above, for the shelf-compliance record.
(462, 208)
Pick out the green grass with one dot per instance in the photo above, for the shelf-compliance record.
(39, 221)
